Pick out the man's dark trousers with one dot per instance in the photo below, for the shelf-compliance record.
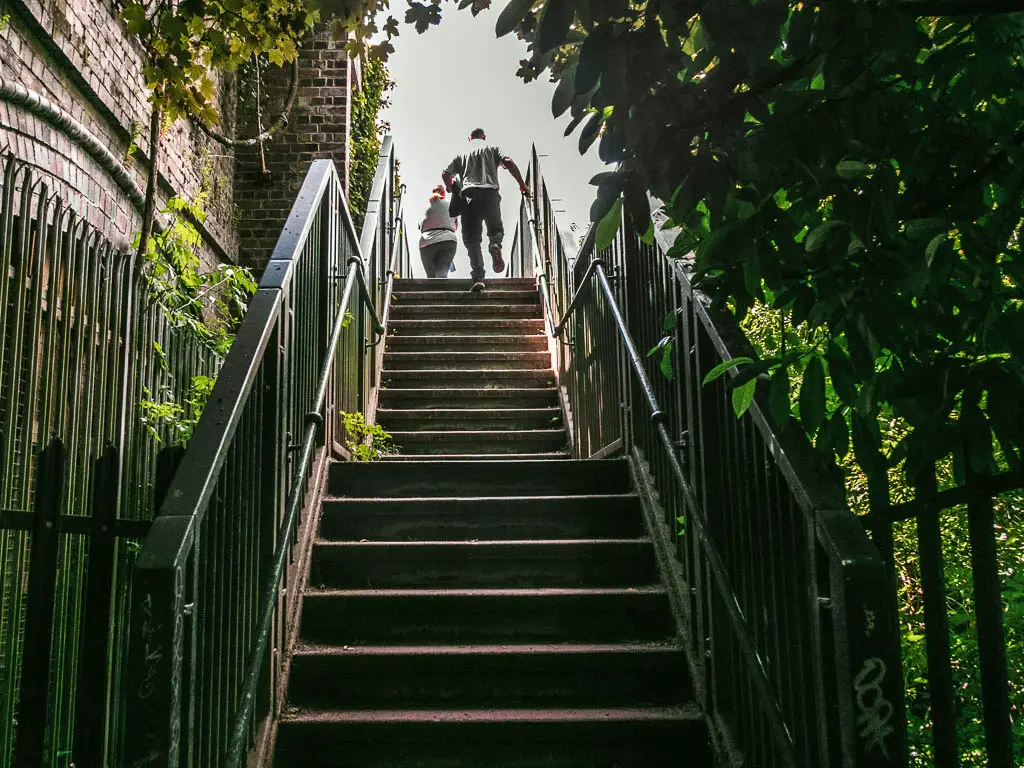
(482, 206)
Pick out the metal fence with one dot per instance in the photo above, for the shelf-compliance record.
(219, 578)
(78, 470)
(785, 607)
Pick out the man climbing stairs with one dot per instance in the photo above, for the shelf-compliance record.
(463, 612)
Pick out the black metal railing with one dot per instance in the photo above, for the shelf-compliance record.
(218, 579)
(78, 356)
(785, 607)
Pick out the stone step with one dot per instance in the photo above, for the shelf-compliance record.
(474, 478)
(455, 518)
(485, 378)
(468, 343)
(478, 326)
(403, 310)
(461, 616)
(468, 418)
(464, 397)
(488, 676)
(490, 441)
(629, 737)
(547, 455)
(483, 564)
(498, 295)
(464, 284)
(464, 360)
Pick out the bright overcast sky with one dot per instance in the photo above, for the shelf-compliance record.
(457, 77)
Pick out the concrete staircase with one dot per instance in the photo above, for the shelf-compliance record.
(469, 373)
(465, 611)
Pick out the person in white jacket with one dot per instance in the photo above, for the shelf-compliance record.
(437, 236)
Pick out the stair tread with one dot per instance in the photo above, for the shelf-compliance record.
(484, 543)
(470, 433)
(499, 355)
(627, 714)
(494, 592)
(439, 412)
(490, 649)
(449, 457)
(452, 499)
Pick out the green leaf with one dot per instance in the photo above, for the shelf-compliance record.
(841, 372)
(724, 366)
(817, 237)
(778, 397)
(609, 226)
(852, 169)
(553, 25)
(564, 93)
(812, 396)
(666, 360)
(743, 396)
(933, 247)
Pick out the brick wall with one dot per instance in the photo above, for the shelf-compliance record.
(317, 128)
(76, 54)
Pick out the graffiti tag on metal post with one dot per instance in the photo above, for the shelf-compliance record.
(875, 711)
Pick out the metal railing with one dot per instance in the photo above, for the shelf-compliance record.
(219, 578)
(80, 470)
(785, 607)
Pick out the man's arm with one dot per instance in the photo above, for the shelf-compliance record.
(449, 173)
(510, 165)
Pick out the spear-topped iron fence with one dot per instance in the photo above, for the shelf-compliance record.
(78, 468)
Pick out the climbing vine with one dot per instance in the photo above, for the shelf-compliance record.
(367, 127)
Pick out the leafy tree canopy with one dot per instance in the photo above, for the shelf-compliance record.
(858, 165)
(185, 40)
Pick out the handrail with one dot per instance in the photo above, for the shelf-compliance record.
(196, 575)
(657, 417)
(314, 424)
(799, 615)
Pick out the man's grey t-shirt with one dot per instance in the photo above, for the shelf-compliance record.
(478, 168)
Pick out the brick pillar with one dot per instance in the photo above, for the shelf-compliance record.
(317, 128)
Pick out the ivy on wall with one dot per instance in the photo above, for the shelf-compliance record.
(367, 127)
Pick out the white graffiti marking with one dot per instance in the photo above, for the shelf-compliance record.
(875, 710)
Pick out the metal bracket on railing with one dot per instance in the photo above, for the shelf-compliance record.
(314, 418)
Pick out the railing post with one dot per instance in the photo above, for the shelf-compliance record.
(157, 654)
(91, 702)
(30, 748)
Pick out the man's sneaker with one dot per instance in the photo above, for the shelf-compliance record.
(477, 286)
(497, 263)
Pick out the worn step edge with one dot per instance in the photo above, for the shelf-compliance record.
(474, 435)
(440, 500)
(466, 413)
(483, 544)
(449, 457)
(493, 593)
(540, 354)
(468, 373)
(679, 713)
(666, 647)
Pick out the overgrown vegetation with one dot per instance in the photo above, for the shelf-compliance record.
(205, 305)
(366, 442)
(772, 335)
(366, 130)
